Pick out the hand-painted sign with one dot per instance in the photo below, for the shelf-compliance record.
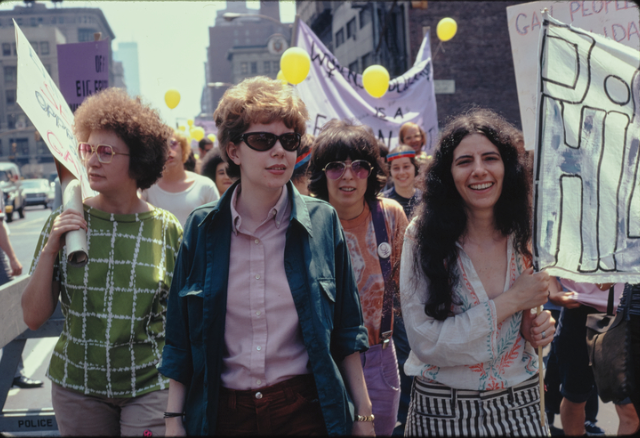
(587, 199)
(617, 20)
(45, 106)
(83, 69)
(332, 91)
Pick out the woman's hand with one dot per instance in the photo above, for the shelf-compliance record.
(533, 327)
(363, 428)
(174, 427)
(531, 290)
(69, 220)
(564, 299)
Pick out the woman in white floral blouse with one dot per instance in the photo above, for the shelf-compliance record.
(467, 286)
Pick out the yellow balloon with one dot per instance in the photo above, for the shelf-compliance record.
(172, 98)
(197, 133)
(447, 28)
(181, 128)
(190, 122)
(281, 78)
(376, 80)
(295, 64)
(212, 137)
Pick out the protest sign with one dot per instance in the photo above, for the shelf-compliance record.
(587, 198)
(83, 70)
(617, 20)
(332, 91)
(45, 106)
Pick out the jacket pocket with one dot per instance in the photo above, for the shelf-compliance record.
(194, 296)
(328, 299)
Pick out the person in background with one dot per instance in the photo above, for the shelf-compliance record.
(215, 168)
(345, 171)
(300, 177)
(264, 330)
(204, 146)
(631, 300)
(413, 135)
(190, 164)
(467, 288)
(103, 368)
(404, 168)
(180, 191)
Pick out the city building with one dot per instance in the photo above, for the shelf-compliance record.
(45, 28)
(473, 68)
(127, 54)
(247, 44)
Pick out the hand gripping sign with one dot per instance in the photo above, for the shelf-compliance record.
(43, 103)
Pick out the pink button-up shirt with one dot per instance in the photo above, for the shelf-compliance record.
(262, 337)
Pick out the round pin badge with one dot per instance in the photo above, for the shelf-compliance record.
(384, 250)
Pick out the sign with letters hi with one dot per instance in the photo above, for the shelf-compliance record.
(83, 69)
(331, 91)
(587, 198)
(47, 109)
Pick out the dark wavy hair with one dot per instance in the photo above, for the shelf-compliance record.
(442, 220)
(337, 141)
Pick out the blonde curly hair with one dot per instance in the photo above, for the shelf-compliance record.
(256, 100)
(184, 144)
(136, 124)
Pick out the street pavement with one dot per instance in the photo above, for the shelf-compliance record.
(24, 234)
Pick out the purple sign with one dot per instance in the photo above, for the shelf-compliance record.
(83, 70)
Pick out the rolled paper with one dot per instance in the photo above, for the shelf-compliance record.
(76, 241)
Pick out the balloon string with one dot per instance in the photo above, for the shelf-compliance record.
(438, 49)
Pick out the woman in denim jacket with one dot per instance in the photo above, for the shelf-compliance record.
(264, 326)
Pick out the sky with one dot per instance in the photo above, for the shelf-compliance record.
(172, 39)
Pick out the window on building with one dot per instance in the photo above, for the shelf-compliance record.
(85, 34)
(244, 68)
(339, 37)
(22, 146)
(13, 49)
(11, 96)
(34, 45)
(6, 49)
(10, 73)
(365, 16)
(11, 121)
(33, 21)
(354, 66)
(276, 66)
(254, 68)
(351, 28)
(267, 67)
(19, 21)
(39, 20)
(47, 67)
(367, 60)
(44, 47)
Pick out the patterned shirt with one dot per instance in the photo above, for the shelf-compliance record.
(115, 306)
(363, 249)
(470, 350)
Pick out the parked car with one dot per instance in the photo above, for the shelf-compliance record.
(37, 192)
(12, 187)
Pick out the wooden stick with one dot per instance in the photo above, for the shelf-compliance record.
(541, 377)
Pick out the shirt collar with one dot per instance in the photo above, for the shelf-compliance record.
(277, 213)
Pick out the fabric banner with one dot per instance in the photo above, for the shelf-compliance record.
(587, 198)
(618, 20)
(47, 109)
(332, 91)
(83, 70)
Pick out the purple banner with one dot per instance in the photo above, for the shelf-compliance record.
(83, 70)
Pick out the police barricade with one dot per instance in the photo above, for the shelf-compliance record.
(13, 336)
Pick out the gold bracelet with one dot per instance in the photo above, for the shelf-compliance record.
(365, 417)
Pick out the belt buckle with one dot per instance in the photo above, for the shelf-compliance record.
(386, 337)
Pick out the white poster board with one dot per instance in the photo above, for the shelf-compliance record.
(332, 91)
(617, 20)
(587, 176)
(47, 109)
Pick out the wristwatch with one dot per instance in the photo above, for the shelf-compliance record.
(365, 417)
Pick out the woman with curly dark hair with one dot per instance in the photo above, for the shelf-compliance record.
(103, 368)
(467, 287)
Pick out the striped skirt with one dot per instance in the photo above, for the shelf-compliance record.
(438, 410)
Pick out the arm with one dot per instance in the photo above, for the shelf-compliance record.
(41, 294)
(351, 370)
(177, 394)
(5, 245)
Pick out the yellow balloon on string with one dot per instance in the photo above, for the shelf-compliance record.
(190, 122)
(295, 64)
(447, 28)
(181, 128)
(376, 80)
(172, 98)
(212, 137)
(281, 77)
(197, 133)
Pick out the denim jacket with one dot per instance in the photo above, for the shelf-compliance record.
(318, 269)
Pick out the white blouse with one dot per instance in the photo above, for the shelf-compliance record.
(470, 350)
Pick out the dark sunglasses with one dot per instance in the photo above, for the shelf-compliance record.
(263, 141)
(360, 168)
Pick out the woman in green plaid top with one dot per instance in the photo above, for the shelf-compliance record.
(103, 368)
